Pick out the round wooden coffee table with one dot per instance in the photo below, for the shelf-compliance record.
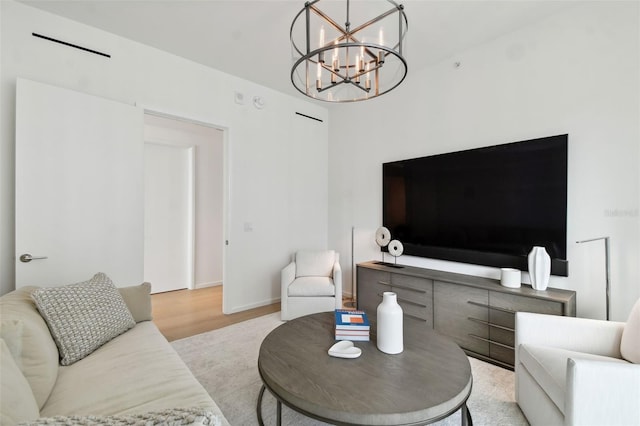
(430, 380)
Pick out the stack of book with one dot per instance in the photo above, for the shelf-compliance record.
(352, 325)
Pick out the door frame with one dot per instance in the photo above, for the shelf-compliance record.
(226, 191)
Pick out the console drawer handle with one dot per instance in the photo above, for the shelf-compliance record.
(491, 341)
(411, 302)
(408, 288)
(400, 299)
(415, 317)
(496, 308)
(501, 327)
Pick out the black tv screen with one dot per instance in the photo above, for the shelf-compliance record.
(486, 206)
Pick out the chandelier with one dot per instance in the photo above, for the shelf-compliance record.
(358, 60)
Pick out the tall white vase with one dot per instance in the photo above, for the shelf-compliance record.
(389, 318)
(539, 268)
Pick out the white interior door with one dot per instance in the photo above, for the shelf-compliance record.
(168, 223)
(79, 187)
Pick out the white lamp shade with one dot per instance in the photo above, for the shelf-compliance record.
(383, 236)
(395, 248)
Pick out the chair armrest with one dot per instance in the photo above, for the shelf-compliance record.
(337, 282)
(601, 392)
(287, 275)
(575, 334)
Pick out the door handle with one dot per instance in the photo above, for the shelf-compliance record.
(26, 258)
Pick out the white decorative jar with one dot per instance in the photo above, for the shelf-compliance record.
(390, 327)
(510, 277)
(539, 268)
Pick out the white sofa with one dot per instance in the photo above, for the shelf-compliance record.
(135, 375)
(573, 371)
(311, 283)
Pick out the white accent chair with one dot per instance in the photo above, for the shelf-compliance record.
(578, 371)
(311, 283)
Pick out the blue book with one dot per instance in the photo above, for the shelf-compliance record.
(351, 320)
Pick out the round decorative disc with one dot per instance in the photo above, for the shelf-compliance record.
(383, 236)
(395, 248)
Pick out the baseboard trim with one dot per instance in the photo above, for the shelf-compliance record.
(209, 284)
(252, 306)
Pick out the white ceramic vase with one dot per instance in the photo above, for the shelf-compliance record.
(539, 268)
(389, 319)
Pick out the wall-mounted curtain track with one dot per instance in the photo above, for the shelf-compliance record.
(308, 116)
(70, 45)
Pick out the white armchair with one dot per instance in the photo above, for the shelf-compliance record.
(311, 283)
(571, 371)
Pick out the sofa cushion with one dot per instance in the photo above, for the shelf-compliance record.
(312, 286)
(38, 354)
(83, 316)
(315, 263)
(172, 416)
(11, 333)
(137, 372)
(138, 300)
(548, 366)
(17, 403)
(630, 341)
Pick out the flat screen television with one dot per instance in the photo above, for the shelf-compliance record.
(486, 206)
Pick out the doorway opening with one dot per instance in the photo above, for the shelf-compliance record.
(184, 203)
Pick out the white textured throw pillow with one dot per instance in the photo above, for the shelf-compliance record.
(83, 316)
(630, 342)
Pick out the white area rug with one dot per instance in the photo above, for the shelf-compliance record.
(225, 362)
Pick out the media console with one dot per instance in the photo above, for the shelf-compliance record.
(477, 313)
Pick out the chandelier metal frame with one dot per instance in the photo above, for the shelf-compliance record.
(364, 72)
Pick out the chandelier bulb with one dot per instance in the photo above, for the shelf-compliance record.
(367, 80)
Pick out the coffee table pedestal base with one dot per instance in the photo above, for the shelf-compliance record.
(259, 408)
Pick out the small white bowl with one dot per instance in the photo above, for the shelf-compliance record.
(510, 277)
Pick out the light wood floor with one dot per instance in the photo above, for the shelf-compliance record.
(184, 313)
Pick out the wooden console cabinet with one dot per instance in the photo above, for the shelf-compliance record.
(477, 313)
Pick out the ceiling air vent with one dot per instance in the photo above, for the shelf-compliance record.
(70, 45)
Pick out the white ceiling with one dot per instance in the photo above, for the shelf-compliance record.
(250, 38)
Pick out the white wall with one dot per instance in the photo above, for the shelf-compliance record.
(576, 72)
(209, 189)
(277, 160)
